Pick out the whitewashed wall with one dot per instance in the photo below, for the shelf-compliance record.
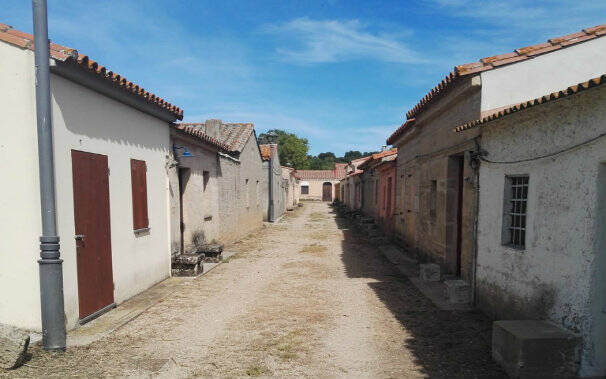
(561, 275)
(87, 121)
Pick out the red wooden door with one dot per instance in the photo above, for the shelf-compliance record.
(93, 239)
(327, 192)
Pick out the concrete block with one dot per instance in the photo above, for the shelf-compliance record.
(535, 349)
(457, 291)
(13, 345)
(429, 272)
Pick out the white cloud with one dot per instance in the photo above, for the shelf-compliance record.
(334, 41)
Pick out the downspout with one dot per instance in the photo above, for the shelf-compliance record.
(50, 263)
(474, 163)
(270, 214)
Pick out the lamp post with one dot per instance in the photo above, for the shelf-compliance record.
(50, 262)
(271, 139)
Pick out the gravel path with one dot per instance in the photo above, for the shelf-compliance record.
(304, 297)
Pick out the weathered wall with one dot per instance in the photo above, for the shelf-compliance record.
(200, 199)
(291, 197)
(241, 206)
(370, 193)
(87, 121)
(424, 155)
(562, 269)
(387, 196)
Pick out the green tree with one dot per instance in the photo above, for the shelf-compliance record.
(351, 155)
(292, 150)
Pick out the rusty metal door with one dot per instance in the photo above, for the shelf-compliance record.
(93, 239)
(327, 192)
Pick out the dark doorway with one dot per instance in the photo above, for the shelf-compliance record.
(460, 167)
(184, 174)
(93, 234)
(327, 192)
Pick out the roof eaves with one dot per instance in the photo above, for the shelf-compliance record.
(572, 90)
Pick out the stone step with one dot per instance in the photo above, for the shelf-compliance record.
(429, 272)
(392, 253)
(187, 264)
(457, 291)
(535, 349)
(13, 346)
(210, 249)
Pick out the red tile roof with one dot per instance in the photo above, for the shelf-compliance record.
(266, 151)
(394, 136)
(199, 133)
(381, 156)
(538, 101)
(232, 135)
(66, 54)
(493, 62)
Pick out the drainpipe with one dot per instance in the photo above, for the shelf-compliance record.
(270, 214)
(50, 263)
(474, 162)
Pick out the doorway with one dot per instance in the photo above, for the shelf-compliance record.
(93, 234)
(184, 174)
(327, 191)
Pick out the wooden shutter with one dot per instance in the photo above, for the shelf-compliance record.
(138, 172)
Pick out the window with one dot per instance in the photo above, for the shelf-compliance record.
(514, 215)
(246, 194)
(304, 190)
(138, 172)
(433, 197)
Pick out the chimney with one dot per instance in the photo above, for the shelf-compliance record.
(212, 128)
(383, 148)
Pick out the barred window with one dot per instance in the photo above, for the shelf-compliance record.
(515, 205)
(304, 190)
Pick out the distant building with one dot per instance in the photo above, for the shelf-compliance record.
(542, 214)
(352, 185)
(321, 184)
(291, 187)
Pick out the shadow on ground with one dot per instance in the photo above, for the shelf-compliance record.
(446, 344)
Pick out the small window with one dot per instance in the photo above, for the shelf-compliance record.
(138, 172)
(433, 197)
(246, 194)
(304, 190)
(514, 216)
(205, 179)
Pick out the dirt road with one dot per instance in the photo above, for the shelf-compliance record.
(304, 297)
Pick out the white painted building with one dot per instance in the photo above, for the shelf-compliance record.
(111, 143)
(542, 215)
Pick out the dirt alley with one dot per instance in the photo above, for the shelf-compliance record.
(305, 297)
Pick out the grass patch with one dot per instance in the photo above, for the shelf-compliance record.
(313, 249)
(320, 235)
(256, 371)
(317, 216)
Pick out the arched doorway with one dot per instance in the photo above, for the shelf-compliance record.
(327, 191)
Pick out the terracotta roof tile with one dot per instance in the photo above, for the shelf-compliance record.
(531, 103)
(394, 136)
(232, 135)
(66, 54)
(266, 151)
(199, 133)
(490, 63)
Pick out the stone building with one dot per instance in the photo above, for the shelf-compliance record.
(291, 187)
(542, 214)
(352, 184)
(111, 140)
(240, 179)
(436, 191)
(320, 184)
(273, 199)
(378, 188)
(193, 188)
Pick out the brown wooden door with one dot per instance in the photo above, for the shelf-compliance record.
(327, 192)
(93, 239)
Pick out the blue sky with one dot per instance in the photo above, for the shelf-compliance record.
(340, 73)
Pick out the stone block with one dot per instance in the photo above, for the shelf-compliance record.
(187, 264)
(13, 346)
(392, 253)
(535, 349)
(429, 272)
(210, 249)
(457, 291)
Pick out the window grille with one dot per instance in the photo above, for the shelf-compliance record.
(304, 190)
(515, 211)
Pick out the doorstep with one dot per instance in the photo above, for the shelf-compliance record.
(130, 309)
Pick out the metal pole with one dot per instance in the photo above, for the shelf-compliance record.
(51, 274)
(270, 216)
